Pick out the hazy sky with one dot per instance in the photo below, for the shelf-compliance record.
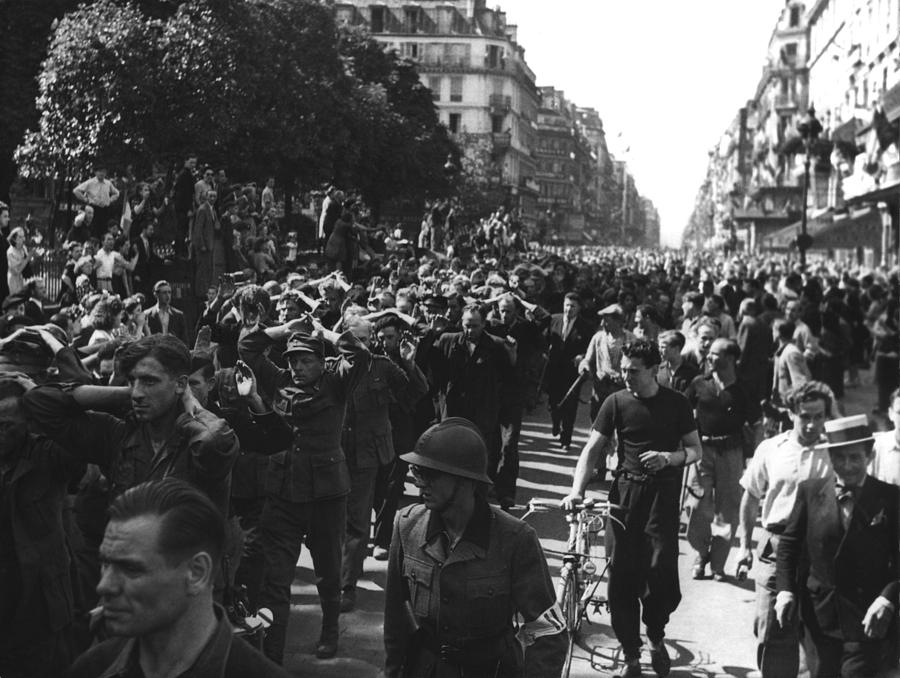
(666, 75)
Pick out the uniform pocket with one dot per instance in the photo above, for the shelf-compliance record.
(419, 576)
(488, 599)
(330, 477)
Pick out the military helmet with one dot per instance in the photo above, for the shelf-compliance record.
(453, 446)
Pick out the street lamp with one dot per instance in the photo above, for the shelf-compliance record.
(809, 128)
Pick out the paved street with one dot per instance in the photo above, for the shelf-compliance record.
(710, 635)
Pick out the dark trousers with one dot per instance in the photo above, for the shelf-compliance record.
(359, 524)
(250, 571)
(643, 568)
(284, 525)
(564, 419)
(887, 379)
(836, 658)
(507, 473)
(388, 493)
(182, 231)
(777, 646)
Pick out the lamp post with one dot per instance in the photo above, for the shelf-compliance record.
(809, 128)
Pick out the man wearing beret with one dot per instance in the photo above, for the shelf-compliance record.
(307, 485)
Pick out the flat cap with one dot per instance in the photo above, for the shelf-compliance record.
(612, 309)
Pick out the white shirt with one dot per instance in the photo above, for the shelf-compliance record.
(105, 261)
(885, 464)
(96, 192)
(776, 469)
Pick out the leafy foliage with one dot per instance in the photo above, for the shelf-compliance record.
(266, 86)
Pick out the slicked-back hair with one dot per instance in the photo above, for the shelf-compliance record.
(189, 521)
(673, 338)
(168, 350)
(808, 392)
(647, 351)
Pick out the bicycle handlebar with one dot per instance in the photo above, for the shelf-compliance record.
(539, 504)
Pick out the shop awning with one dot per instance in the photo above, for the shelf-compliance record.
(862, 229)
(890, 101)
(784, 237)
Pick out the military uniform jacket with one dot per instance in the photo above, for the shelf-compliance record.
(468, 596)
(368, 438)
(314, 467)
(201, 448)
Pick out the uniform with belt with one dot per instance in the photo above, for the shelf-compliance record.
(307, 485)
(369, 446)
(449, 612)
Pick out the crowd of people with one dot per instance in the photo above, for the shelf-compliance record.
(160, 468)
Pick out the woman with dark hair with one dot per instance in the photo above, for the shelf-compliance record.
(106, 319)
(17, 258)
(887, 353)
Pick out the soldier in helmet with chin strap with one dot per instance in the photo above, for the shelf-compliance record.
(460, 571)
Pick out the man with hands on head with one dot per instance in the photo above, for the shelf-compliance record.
(846, 531)
(308, 484)
(657, 437)
(166, 433)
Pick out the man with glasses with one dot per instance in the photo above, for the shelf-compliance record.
(657, 437)
(460, 570)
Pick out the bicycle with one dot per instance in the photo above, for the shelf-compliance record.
(580, 575)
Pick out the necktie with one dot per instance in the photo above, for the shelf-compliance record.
(846, 494)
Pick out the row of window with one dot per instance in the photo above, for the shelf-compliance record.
(458, 54)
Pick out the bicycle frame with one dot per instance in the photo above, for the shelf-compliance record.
(580, 576)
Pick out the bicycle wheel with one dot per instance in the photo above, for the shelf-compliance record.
(569, 601)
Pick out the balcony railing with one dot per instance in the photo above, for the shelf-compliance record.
(500, 104)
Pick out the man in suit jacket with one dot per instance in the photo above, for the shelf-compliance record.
(163, 318)
(36, 306)
(848, 529)
(568, 336)
(471, 371)
(148, 262)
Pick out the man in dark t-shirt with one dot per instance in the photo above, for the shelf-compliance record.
(656, 436)
(723, 409)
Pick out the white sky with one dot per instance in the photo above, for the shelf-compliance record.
(666, 75)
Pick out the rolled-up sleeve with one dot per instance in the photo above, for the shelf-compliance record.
(94, 437)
